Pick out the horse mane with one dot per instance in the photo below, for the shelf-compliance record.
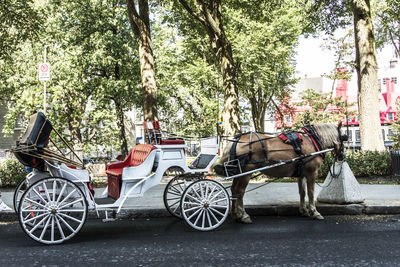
(328, 134)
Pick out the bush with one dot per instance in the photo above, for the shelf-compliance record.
(362, 163)
(11, 172)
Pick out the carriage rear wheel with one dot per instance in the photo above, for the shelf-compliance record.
(174, 190)
(19, 191)
(52, 210)
(205, 205)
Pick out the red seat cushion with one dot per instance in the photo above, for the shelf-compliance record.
(172, 142)
(136, 157)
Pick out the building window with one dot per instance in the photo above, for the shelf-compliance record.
(350, 135)
(358, 137)
(384, 81)
(390, 133)
(383, 134)
(287, 119)
(390, 116)
(394, 80)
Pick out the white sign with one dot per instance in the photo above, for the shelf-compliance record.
(44, 71)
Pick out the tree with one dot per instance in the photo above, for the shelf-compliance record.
(316, 108)
(93, 74)
(330, 15)
(140, 24)
(265, 57)
(367, 72)
(209, 15)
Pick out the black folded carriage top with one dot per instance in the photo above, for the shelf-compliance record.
(32, 143)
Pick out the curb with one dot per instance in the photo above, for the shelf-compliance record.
(267, 210)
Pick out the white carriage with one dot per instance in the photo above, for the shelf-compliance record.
(54, 200)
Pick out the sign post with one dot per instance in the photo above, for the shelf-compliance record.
(44, 75)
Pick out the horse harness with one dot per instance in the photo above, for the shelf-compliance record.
(288, 137)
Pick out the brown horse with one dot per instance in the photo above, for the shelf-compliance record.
(267, 149)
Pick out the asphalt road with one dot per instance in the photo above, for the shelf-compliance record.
(270, 241)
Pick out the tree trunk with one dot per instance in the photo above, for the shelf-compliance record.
(121, 127)
(209, 16)
(258, 113)
(367, 68)
(140, 24)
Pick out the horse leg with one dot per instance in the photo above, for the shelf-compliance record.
(238, 188)
(301, 182)
(311, 203)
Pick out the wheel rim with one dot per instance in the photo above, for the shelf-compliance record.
(19, 191)
(205, 205)
(52, 210)
(173, 193)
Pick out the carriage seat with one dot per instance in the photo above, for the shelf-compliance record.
(138, 163)
(136, 157)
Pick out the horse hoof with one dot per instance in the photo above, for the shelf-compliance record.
(245, 220)
(318, 217)
(304, 213)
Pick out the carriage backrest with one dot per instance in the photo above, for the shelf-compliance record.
(38, 131)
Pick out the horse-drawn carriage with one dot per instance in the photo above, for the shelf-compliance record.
(54, 200)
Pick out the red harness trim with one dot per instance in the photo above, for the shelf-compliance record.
(314, 142)
(284, 137)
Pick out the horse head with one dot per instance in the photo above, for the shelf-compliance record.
(332, 137)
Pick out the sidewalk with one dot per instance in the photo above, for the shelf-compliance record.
(271, 199)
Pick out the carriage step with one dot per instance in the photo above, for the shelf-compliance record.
(102, 201)
(113, 214)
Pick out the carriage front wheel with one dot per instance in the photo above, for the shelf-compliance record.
(52, 210)
(205, 205)
(19, 191)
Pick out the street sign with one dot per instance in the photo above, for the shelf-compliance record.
(44, 71)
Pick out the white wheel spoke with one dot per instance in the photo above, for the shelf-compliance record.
(52, 228)
(61, 192)
(60, 228)
(208, 218)
(40, 196)
(212, 191)
(215, 218)
(174, 198)
(31, 210)
(35, 218)
(194, 214)
(71, 210)
(194, 199)
(46, 191)
(54, 191)
(64, 222)
(38, 224)
(217, 200)
(216, 211)
(201, 190)
(45, 228)
(67, 197)
(194, 208)
(36, 203)
(197, 194)
(176, 194)
(72, 203)
(204, 219)
(206, 192)
(175, 203)
(198, 217)
(70, 217)
(192, 204)
(218, 206)
(216, 195)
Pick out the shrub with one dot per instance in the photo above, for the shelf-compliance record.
(11, 172)
(362, 163)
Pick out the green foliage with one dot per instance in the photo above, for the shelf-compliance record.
(362, 163)
(94, 72)
(316, 105)
(11, 172)
(387, 23)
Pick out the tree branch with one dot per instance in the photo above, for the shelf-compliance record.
(191, 12)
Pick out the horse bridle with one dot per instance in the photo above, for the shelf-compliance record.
(342, 137)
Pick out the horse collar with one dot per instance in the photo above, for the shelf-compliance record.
(312, 133)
